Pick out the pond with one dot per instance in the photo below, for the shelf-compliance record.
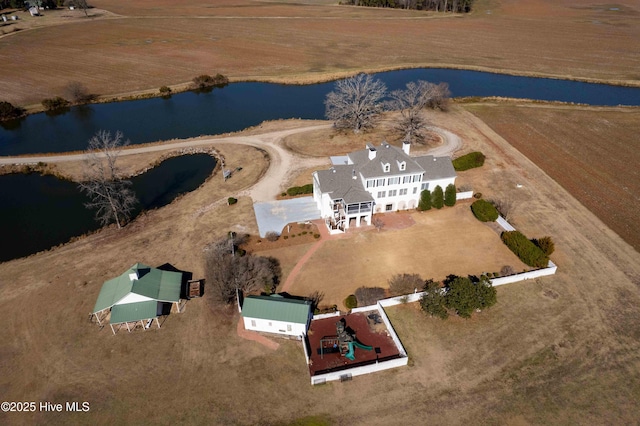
(39, 212)
(240, 105)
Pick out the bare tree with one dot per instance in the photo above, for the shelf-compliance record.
(110, 194)
(355, 103)
(226, 270)
(82, 4)
(378, 223)
(412, 123)
(401, 284)
(77, 92)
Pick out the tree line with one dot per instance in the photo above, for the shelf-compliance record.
(456, 6)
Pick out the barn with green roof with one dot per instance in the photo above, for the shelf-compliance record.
(277, 314)
(138, 296)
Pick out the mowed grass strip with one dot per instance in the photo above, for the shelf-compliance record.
(593, 153)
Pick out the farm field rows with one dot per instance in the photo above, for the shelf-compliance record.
(593, 153)
(144, 45)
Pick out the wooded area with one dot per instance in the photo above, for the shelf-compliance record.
(457, 6)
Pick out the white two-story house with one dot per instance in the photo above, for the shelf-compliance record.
(376, 180)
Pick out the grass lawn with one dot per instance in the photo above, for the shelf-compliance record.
(442, 242)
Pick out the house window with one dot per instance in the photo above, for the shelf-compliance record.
(416, 178)
(288, 327)
(402, 165)
(406, 179)
(386, 167)
(382, 194)
(403, 191)
(270, 325)
(415, 190)
(371, 183)
(380, 182)
(393, 181)
(393, 192)
(253, 323)
(388, 207)
(425, 186)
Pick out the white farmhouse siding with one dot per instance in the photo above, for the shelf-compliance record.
(276, 314)
(376, 180)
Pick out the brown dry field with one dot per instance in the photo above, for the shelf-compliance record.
(140, 46)
(559, 350)
(441, 242)
(594, 153)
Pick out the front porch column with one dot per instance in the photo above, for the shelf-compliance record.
(358, 221)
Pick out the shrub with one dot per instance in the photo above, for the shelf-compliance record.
(272, 236)
(528, 252)
(51, 104)
(432, 302)
(546, 245)
(477, 195)
(464, 296)
(469, 161)
(165, 90)
(286, 237)
(425, 200)
(484, 211)
(507, 270)
(231, 200)
(405, 283)
(8, 111)
(299, 190)
(366, 296)
(351, 302)
(77, 92)
(205, 81)
(450, 195)
(437, 198)
(316, 235)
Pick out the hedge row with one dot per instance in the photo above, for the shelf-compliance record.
(526, 250)
(299, 190)
(484, 211)
(469, 161)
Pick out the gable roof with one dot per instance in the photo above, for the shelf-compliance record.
(338, 181)
(385, 154)
(276, 308)
(142, 280)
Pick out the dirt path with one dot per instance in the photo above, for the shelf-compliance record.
(283, 161)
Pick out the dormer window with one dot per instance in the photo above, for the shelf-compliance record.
(402, 165)
(386, 167)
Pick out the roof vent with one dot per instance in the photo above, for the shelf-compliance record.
(353, 174)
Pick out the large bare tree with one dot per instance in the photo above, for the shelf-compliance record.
(111, 195)
(411, 102)
(356, 102)
(228, 269)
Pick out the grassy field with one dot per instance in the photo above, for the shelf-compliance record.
(561, 349)
(140, 46)
(443, 242)
(593, 153)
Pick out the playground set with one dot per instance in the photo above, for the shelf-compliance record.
(333, 346)
(344, 341)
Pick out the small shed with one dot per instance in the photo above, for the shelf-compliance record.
(141, 294)
(277, 314)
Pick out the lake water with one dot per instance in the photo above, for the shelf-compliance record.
(39, 212)
(241, 105)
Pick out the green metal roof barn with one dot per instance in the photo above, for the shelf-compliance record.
(137, 295)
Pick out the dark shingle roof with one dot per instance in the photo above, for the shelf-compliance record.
(338, 181)
(436, 167)
(385, 154)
